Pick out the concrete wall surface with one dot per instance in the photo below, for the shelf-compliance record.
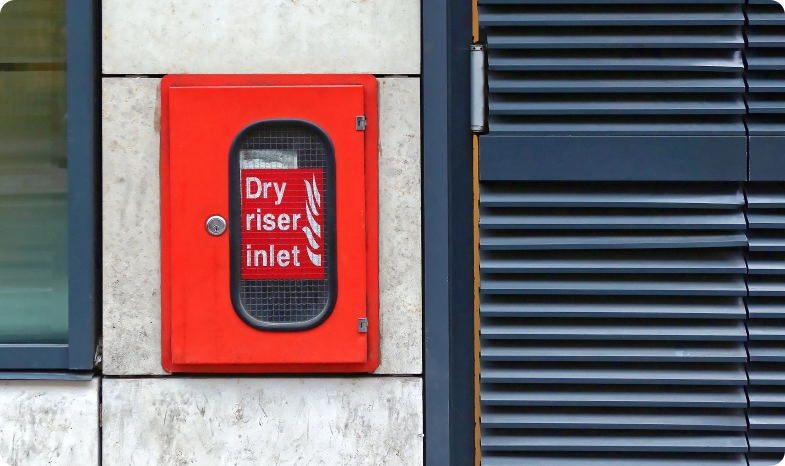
(49, 423)
(249, 36)
(131, 227)
(263, 421)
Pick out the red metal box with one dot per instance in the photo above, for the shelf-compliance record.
(269, 217)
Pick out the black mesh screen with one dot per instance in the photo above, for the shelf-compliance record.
(289, 300)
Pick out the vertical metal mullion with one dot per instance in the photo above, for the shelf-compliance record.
(83, 203)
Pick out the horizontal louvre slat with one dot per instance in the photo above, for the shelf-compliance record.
(621, 373)
(767, 441)
(620, 285)
(730, 442)
(765, 81)
(626, 396)
(659, 419)
(506, 104)
(613, 16)
(624, 195)
(722, 62)
(586, 330)
(614, 262)
(766, 373)
(555, 38)
(764, 351)
(614, 125)
(532, 82)
(543, 351)
(765, 103)
(491, 240)
(631, 219)
(613, 307)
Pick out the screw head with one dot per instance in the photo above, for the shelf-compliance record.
(216, 225)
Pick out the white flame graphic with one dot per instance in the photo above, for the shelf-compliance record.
(314, 202)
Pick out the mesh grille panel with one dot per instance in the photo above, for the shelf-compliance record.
(288, 300)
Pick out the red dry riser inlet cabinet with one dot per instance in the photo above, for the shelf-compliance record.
(269, 215)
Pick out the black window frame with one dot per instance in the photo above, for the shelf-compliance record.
(82, 106)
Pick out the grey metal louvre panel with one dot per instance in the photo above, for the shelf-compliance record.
(612, 323)
(765, 76)
(766, 324)
(596, 60)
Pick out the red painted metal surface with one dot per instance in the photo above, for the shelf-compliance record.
(200, 116)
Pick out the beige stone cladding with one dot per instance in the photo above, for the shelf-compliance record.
(131, 227)
(251, 36)
(52, 423)
(364, 421)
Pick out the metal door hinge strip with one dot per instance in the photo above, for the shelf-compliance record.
(362, 122)
(478, 103)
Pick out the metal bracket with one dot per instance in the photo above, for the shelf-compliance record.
(362, 325)
(478, 88)
(362, 122)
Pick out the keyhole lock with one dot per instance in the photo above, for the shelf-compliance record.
(216, 225)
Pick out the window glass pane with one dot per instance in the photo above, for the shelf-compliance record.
(33, 206)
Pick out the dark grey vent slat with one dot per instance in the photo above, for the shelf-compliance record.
(658, 420)
(558, 195)
(762, 243)
(606, 240)
(765, 82)
(583, 220)
(765, 353)
(510, 16)
(507, 104)
(516, 83)
(730, 62)
(764, 310)
(617, 262)
(543, 352)
(732, 330)
(615, 126)
(622, 285)
(730, 442)
(681, 374)
(617, 307)
(629, 396)
(758, 103)
(610, 39)
(759, 286)
(766, 397)
(763, 441)
(760, 329)
(765, 19)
